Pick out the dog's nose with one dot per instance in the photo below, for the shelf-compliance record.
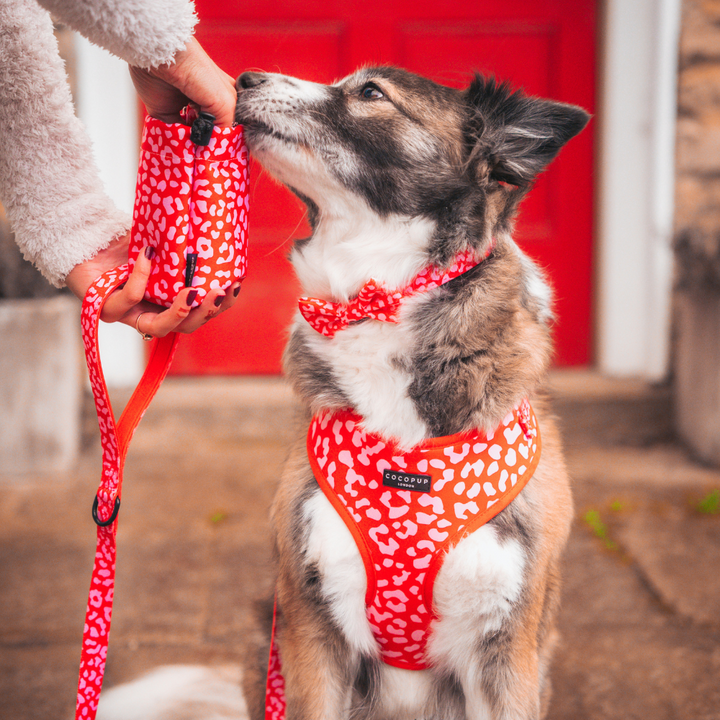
(250, 79)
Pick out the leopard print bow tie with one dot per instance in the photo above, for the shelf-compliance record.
(375, 302)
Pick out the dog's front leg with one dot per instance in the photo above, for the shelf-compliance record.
(503, 683)
(317, 665)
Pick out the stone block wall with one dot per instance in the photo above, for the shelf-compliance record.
(697, 231)
(40, 385)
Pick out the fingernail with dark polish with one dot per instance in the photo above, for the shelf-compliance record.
(218, 300)
(236, 291)
(149, 252)
(191, 297)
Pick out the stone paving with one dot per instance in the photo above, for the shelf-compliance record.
(639, 620)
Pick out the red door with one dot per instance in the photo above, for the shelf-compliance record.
(548, 48)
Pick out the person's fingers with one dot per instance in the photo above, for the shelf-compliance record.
(207, 310)
(132, 292)
(196, 76)
(159, 324)
(161, 99)
(231, 297)
(180, 317)
(192, 77)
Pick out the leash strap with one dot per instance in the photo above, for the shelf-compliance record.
(115, 439)
(275, 687)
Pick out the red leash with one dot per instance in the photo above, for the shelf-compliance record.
(192, 186)
(275, 685)
(115, 439)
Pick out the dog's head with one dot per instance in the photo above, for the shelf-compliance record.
(406, 146)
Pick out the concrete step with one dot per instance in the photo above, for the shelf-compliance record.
(597, 410)
(593, 410)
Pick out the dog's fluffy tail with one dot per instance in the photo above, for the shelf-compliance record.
(178, 692)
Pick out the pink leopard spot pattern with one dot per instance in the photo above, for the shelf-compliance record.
(114, 439)
(403, 534)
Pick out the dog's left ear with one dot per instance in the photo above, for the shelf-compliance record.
(517, 134)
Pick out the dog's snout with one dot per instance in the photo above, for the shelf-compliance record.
(250, 79)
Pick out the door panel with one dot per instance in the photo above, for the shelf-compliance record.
(546, 48)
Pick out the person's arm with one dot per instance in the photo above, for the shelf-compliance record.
(49, 184)
(146, 33)
(168, 66)
(63, 221)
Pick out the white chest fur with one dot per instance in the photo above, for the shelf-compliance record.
(346, 251)
(480, 577)
(364, 360)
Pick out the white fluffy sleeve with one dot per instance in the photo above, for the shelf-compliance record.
(146, 33)
(48, 181)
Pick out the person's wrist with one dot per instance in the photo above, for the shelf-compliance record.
(84, 274)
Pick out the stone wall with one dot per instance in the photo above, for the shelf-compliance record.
(40, 385)
(697, 231)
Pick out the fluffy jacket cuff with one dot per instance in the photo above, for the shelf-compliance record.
(146, 33)
(48, 180)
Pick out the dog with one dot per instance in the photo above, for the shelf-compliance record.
(400, 175)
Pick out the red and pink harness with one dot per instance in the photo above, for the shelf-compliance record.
(406, 510)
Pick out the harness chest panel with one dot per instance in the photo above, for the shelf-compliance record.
(405, 509)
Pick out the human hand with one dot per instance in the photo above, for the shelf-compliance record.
(126, 304)
(192, 78)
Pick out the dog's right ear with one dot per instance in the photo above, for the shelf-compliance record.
(517, 135)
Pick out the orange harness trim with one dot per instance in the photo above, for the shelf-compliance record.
(406, 509)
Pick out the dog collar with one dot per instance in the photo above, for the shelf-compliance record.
(375, 302)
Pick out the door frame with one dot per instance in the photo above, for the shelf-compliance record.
(633, 197)
(636, 186)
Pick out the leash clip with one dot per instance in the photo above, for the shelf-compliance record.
(113, 514)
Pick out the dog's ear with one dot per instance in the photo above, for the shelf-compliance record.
(518, 135)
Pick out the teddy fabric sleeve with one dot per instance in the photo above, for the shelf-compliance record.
(49, 184)
(146, 33)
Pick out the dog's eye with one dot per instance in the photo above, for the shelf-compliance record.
(371, 92)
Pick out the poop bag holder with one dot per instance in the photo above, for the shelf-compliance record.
(191, 206)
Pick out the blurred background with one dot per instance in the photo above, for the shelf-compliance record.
(626, 222)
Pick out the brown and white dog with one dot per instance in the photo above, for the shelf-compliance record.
(399, 173)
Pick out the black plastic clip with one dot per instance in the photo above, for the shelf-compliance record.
(190, 268)
(202, 128)
(113, 514)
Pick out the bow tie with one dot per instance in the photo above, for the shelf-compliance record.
(375, 302)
